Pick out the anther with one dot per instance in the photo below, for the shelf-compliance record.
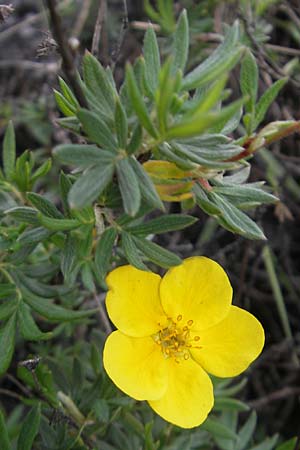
(190, 323)
(186, 356)
(179, 318)
(197, 338)
(185, 328)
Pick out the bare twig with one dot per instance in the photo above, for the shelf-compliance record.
(66, 54)
(124, 27)
(82, 17)
(281, 394)
(143, 26)
(103, 316)
(101, 17)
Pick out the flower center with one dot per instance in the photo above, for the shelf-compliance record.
(175, 339)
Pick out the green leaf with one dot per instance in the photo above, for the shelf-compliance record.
(23, 214)
(42, 170)
(181, 43)
(82, 155)
(236, 219)
(222, 60)
(162, 224)
(210, 99)
(132, 252)
(164, 95)
(8, 307)
(30, 428)
(204, 202)
(249, 80)
(266, 444)
(44, 205)
(138, 103)
(216, 428)
(64, 105)
(199, 123)
(9, 151)
(96, 130)
(190, 153)
(121, 125)
(58, 224)
(129, 187)
(90, 185)
(28, 327)
(146, 185)
(245, 193)
(266, 99)
(156, 254)
(7, 343)
(152, 59)
(51, 311)
(288, 445)
(67, 93)
(103, 252)
(97, 81)
(34, 235)
(225, 403)
(69, 257)
(246, 432)
(4, 439)
(136, 140)
(65, 185)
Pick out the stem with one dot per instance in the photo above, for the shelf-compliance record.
(66, 54)
(269, 264)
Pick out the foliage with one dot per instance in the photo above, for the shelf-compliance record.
(57, 247)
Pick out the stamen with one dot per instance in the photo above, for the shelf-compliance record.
(190, 323)
(197, 338)
(179, 318)
(186, 356)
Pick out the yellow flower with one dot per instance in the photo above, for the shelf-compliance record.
(172, 331)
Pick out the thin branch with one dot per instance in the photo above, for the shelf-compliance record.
(66, 54)
(82, 18)
(281, 394)
(99, 26)
(103, 316)
(124, 28)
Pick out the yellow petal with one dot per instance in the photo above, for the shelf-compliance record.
(230, 346)
(136, 366)
(189, 395)
(133, 302)
(198, 290)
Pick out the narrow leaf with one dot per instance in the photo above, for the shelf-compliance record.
(81, 155)
(216, 428)
(90, 185)
(138, 103)
(96, 130)
(103, 252)
(44, 205)
(146, 185)
(58, 224)
(121, 125)
(23, 214)
(30, 428)
(156, 254)
(28, 327)
(4, 438)
(181, 42)
(132, 252)
(51, 311)
(152, 59)
(266, 99)
(222, 60)
(162, 224)
(7, 343)
(9, 151)
(129, 187)
(249, 80)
